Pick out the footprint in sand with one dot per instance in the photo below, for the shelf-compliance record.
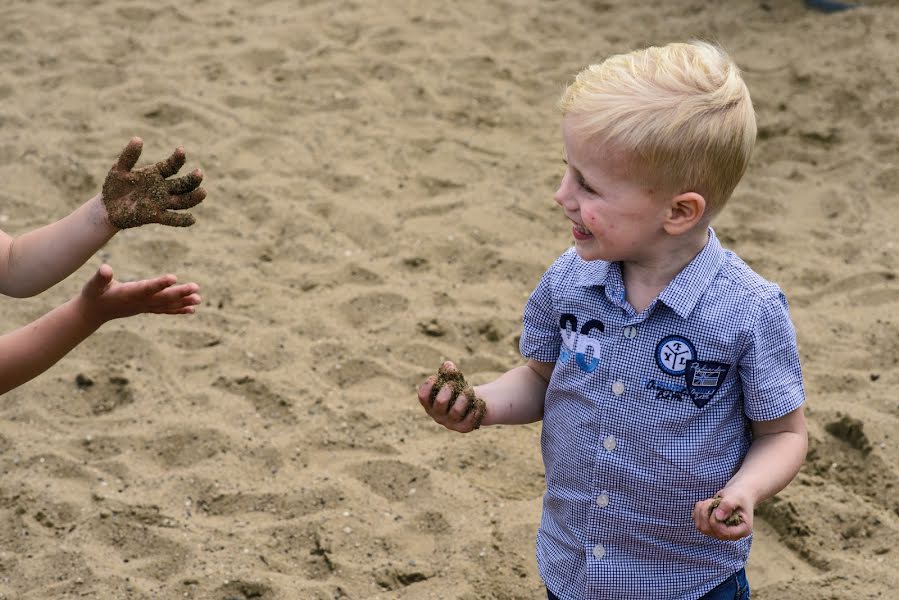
(245, 590)
(189, 447)
(167, 114)
(142, 548)
(285, 506)
(269, 404)
(306, 545)
(374, 309)
(846, 455)
(102, 394)
(393, 479)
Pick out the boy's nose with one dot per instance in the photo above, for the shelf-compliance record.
(564, 196)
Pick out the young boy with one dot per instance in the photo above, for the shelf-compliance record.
(42, 258)
(665, 371)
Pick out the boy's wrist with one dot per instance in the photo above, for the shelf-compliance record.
(87, 313)
(101, 215)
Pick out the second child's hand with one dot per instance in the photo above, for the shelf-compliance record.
(135, 197)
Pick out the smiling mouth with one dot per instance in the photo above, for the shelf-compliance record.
(580, 232)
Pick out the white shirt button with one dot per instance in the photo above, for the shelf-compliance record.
(609, 443)
(630, 332)
(618, 388)
(602, 500)
(598, 551)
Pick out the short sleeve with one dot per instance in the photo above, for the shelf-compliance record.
(769, 370)
(540, 337)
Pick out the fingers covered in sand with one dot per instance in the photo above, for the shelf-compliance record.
(135, 197)
(723, 516)
(450, 401)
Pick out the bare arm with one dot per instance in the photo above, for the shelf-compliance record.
(31, 350)
(515, 397)
(39, 259)
(35, 261)
(777, 452)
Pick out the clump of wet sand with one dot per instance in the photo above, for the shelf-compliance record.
(456, 380)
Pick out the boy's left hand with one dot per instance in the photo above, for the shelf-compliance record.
(103, 298)
(731, 507)
(147, 195)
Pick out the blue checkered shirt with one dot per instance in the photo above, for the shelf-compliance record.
(648, 413)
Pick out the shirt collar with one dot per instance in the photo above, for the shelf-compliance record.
(681, 295)
(685, 290)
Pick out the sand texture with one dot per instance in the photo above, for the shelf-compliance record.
(380, 179)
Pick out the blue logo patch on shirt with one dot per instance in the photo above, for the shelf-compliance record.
(673, 353)
(704, 378)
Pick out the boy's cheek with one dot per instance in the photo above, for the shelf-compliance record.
(591, 220)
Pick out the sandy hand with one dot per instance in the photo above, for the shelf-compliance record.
(135, 197)
(467, 414)
(732, 520)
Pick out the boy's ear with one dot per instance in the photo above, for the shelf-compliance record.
(684, 211)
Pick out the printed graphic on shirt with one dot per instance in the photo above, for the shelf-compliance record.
(667, 391)
(672, 354)
(704, 378)
(585, 349)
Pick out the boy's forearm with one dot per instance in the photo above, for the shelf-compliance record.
(771, 464)
(29, 351)
(514, 398)
(39, 259)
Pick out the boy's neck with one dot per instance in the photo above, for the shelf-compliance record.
(644, 280)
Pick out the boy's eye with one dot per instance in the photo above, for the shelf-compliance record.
(584, 186)
(580, 179)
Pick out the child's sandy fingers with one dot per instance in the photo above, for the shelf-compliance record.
(462, 405)
(130, 154)
(443, 400)
(172, 164)
(424, 392)
(186, 200)
(182, 185)
(173, 219)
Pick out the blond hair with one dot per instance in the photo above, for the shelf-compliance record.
(681, 113)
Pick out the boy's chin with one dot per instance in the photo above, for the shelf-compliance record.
(588, 251)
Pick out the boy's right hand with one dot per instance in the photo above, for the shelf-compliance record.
(103, 298)
(146, 195)
(454, 404)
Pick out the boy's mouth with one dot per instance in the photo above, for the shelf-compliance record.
(580, 232)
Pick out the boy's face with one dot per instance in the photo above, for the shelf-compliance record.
(615, 217)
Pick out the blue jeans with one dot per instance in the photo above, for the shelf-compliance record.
(735, 587)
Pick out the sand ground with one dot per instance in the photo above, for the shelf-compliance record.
(380, 180)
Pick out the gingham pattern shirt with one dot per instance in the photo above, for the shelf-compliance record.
(648, 413)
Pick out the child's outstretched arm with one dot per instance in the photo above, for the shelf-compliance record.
(774, 458)
(39, 259)
(514, 398)
(31, 350)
